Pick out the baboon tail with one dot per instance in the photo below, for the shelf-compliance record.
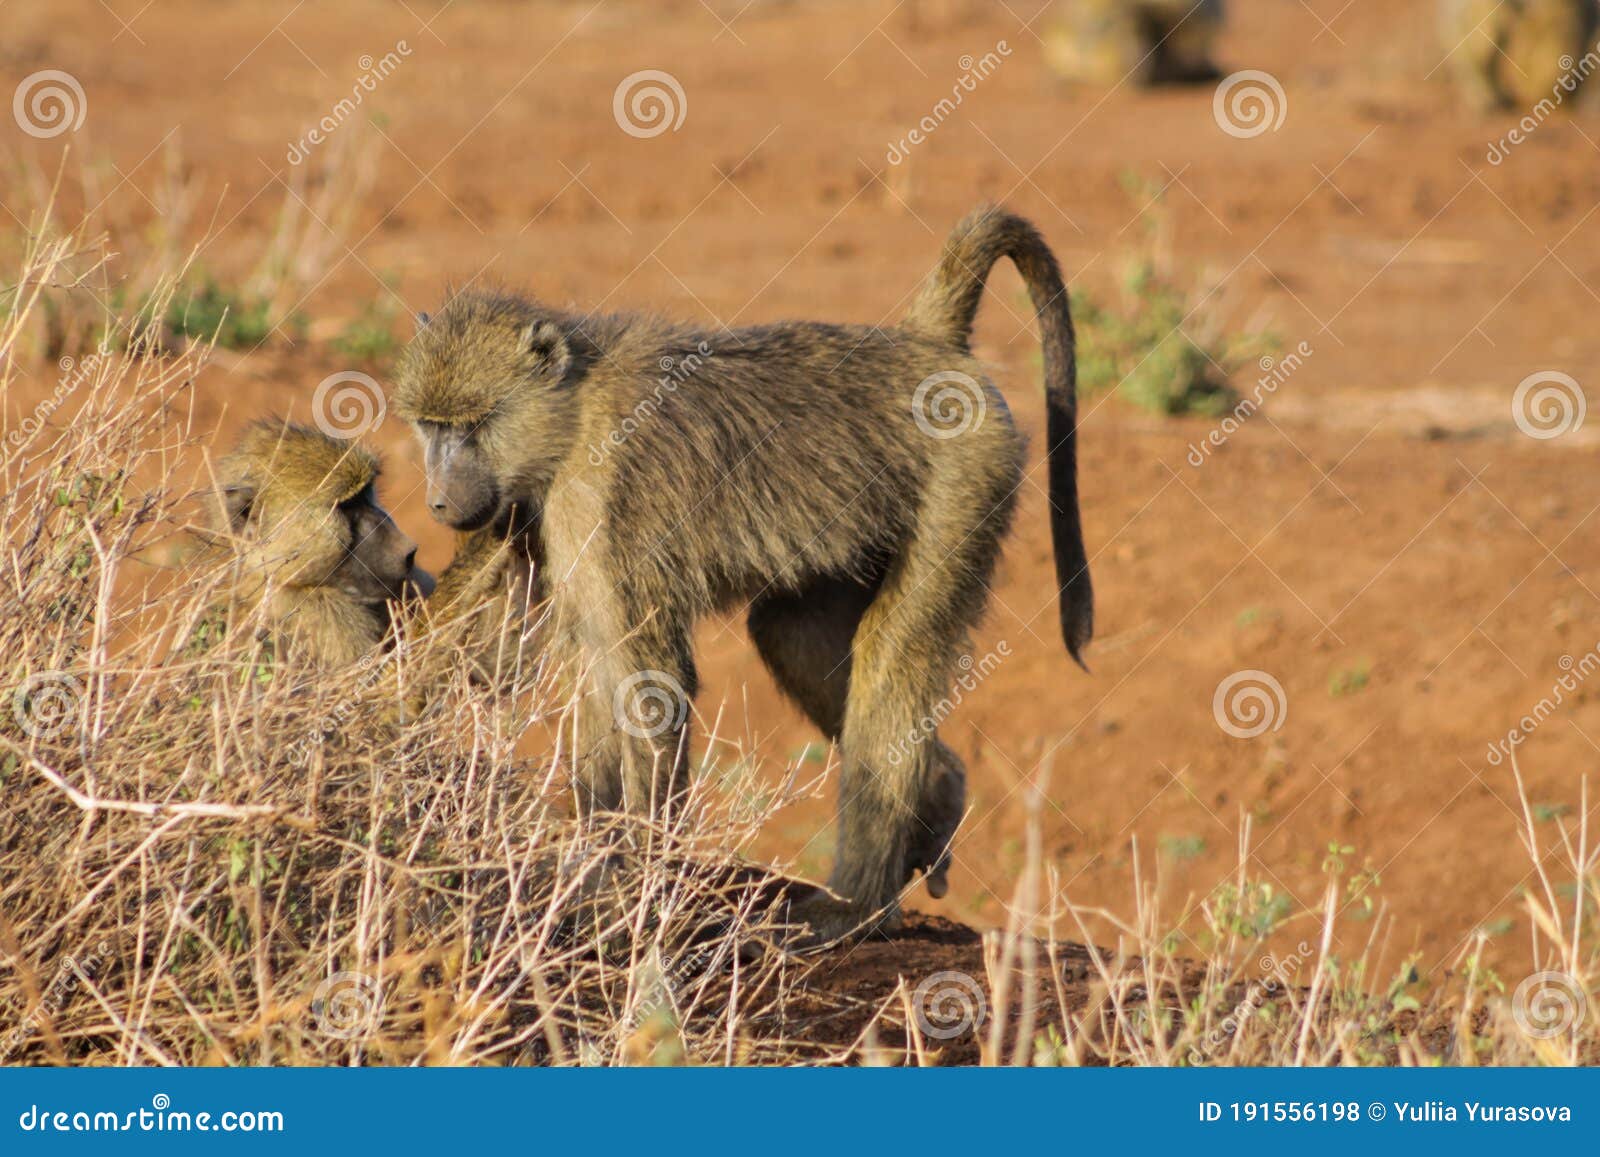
(945, 309)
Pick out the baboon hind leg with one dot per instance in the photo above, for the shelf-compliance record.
(902, 792)
(805, 641)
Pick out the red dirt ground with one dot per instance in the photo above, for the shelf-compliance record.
(1381, 539)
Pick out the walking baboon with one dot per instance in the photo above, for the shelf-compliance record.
(809, 470)
(1139, 42)
(1518, 53)
(312, 546)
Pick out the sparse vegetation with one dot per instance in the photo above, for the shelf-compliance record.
(1165, 344)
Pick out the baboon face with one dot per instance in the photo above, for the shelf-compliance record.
(462, 492)
(304, 509)
(356, 548)
(380, 563)
(485, 384)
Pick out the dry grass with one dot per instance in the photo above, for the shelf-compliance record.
(212, 855)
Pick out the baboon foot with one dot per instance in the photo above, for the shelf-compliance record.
(830, 919)
(933, 831)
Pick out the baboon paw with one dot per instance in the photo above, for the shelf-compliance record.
(830, 919)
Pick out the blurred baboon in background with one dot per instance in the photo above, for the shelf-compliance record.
(298, 520)
(1141, 42)
(850, 484)
(1517, 53)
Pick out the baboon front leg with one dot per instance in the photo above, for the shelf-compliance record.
(646, 689)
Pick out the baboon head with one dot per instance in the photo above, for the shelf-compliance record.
(486, 385)
(304, 507)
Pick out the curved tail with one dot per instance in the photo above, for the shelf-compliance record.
(945, 308)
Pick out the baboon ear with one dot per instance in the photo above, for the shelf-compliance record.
(238, 501)
(548, 346)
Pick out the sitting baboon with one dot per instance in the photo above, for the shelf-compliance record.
(1517, 53)
(312, 548)
(809, 470)
(1139, 42)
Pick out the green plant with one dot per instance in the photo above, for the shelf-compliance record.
(237, 321)
(369, 336)
(1164, 345)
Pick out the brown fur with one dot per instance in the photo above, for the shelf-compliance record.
(299, 518)
(652, 473)
(486, 592)
(1508, 53)
(1139, 42)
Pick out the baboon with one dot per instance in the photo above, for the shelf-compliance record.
(311, 544)
(487, 589)
(1517, 53)
(808, 470)
(1139, 42)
